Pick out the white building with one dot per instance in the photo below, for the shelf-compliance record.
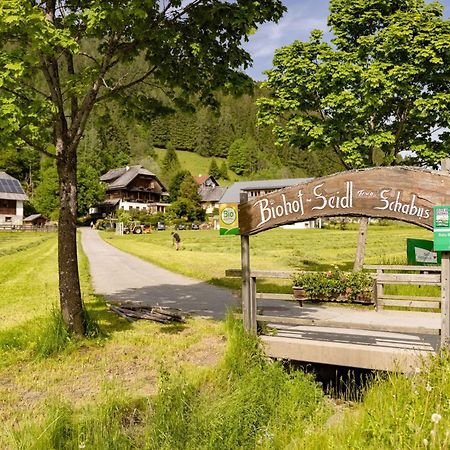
(12, 197)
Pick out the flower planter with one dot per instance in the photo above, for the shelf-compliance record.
(300, 295)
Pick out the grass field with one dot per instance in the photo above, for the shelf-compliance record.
(202, 385)
(206, 255)
(197, 164)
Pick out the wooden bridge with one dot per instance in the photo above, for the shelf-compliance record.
(370, 337)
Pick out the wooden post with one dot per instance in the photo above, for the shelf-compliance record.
(445, 298)
(252, 309)
(445, 164)
(248, 294)
(361, 249)
(379, 290)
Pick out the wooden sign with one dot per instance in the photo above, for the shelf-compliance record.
(397, 193)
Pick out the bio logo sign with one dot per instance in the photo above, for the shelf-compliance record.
(441, 224)
(228, 219)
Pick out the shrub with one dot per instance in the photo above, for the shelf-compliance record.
(355, 286)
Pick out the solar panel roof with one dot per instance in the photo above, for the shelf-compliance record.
(10, 185)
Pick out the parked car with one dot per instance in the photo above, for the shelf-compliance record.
(160, 226)
(195, 226)
(181, 226)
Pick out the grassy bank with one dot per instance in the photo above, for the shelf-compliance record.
(200, 385)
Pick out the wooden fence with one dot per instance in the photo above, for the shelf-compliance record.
(381, 278)
(11, 227)
(389, 275)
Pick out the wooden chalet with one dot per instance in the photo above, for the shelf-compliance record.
(132, 188)
(12, 197)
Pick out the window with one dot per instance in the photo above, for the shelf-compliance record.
(8, 219)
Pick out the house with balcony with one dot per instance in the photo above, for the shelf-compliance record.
(12, 197)
(131, 188)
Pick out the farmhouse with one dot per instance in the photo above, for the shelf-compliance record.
(132, 188)
(12, 197)
(210, 192)
(262, 187)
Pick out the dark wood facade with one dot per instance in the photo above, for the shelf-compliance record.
(7, 207)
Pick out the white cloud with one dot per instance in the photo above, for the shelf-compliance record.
(301, 18)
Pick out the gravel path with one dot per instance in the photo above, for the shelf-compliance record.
(120, 276)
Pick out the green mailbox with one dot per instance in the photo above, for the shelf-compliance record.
(441, 226)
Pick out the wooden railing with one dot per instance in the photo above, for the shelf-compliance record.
(27, 227)
(383, 275)
(381, 278)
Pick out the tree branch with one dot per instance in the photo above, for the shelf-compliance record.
(17, 94)
(36, 146)
(123, 87)
(73, 97)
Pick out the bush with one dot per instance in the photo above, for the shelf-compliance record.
(355, 286)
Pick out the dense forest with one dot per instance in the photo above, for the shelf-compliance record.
(115, 138)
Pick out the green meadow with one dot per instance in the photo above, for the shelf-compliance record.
(197, 164)
(205, 255)
(200, 385)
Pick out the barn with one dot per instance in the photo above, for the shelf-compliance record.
(12, 197)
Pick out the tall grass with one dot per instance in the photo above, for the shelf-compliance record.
(398, 412)
(245, 402)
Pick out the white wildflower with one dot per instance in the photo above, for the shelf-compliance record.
(428, 387)
(417, 370)
(82, 445)
(435, 418)
(425, 442)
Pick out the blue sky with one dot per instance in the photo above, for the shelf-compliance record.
(302, 17)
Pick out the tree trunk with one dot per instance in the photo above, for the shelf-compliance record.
(361, 249)
(69, 281)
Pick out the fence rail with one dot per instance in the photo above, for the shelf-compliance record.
(11, 227)
(427, 276)
(382, 275)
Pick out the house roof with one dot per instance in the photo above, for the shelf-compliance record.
(211, 194)
(122, 177)
(10, 188)
(202, 178)
(232, 194)
(33, 217)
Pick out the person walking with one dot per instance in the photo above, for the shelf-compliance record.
(176, 240)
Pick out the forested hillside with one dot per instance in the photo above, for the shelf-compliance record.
(116, 138)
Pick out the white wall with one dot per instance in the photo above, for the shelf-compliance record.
(16, 219)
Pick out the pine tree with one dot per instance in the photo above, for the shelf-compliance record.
(214, 170)
(224, 170)
(170, 165)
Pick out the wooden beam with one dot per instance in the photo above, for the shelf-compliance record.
(412, 304)
(399, 267)
(361, 247)
(247, 301)
(413, 298)
(445, 299)
(269, 296)
(409, 278)
(237, 273)
(348, 325)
